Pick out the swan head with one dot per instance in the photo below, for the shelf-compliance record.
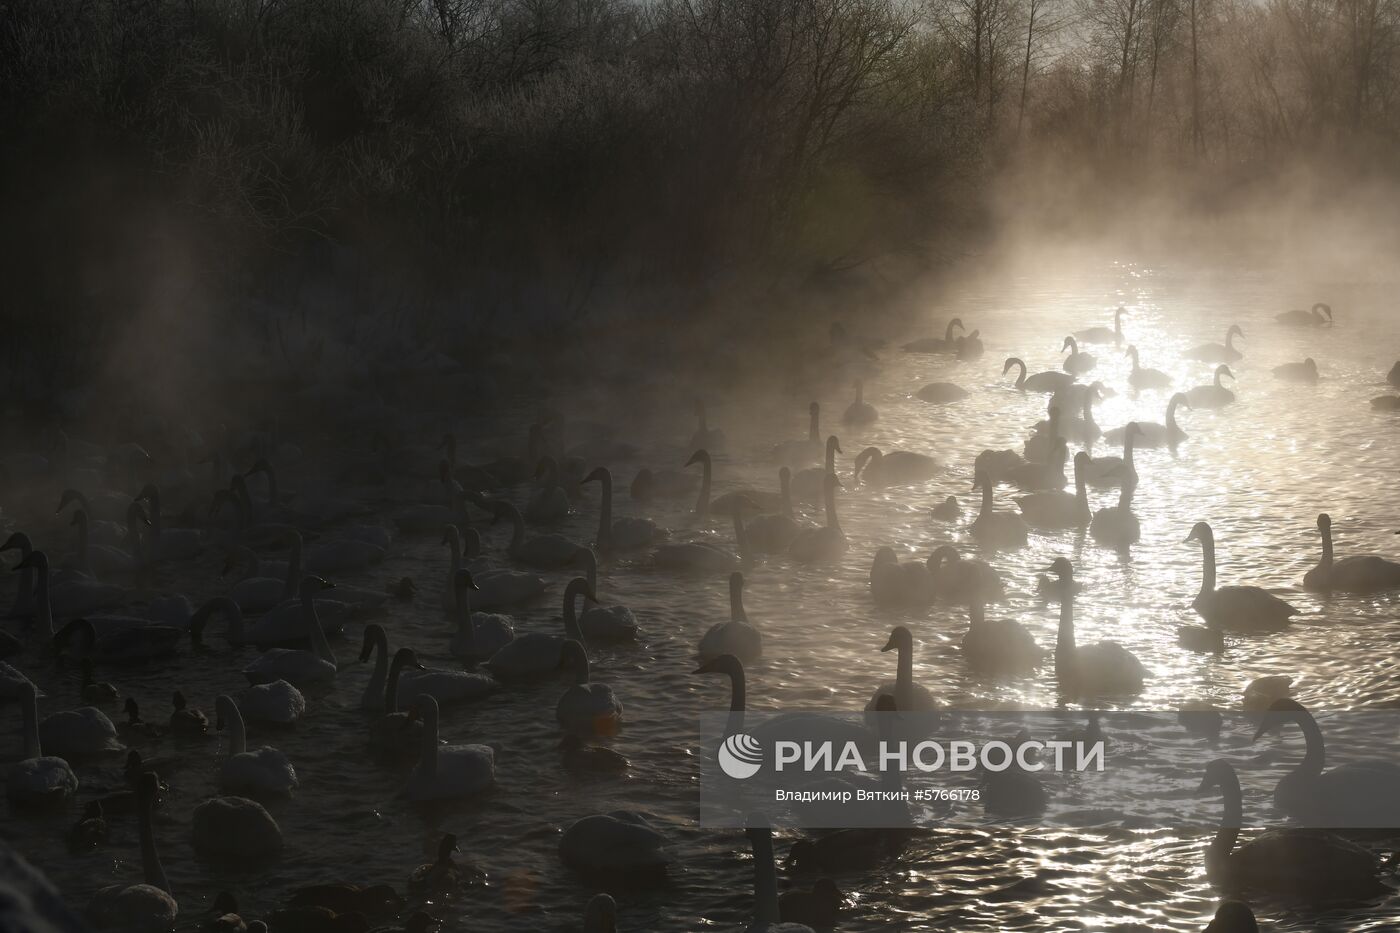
(1311, 365)
(1071, 345)
(1235, 331)
(1223, 370)
(1132, 429)
(885, 556)
(69, 495)
(1219, 774)
(900, 639)
(1081, 462)
(1179, 398)
(132, 711)
(700, 456)
(803, 852)
(956, 322)
(1010, 362)
(37, 560)
(1283, 710)
(374, 638)
(80, 627)
(224, 904)
(1131, 351)
(178, 700)
(451, 533)
(149, 492)
(941, 554)
(446, 847)
(312, 584)
(19, 540)
(1233, 917)
(579, 585)
(598, 475)
(1201, 531)
(463, 582)
(1061, 568)
(600, 915)
(981, 480)
(407, 657)
(726, 664)
(1324, 522)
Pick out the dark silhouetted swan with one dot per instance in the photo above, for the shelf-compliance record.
(997, 530)
(1361, 573)
(1304, 372)
(860, 411)
(1319, 316)
(1141, 378)
(1152, 434)
(942, 344)
(1214, 395)
(1218, 352)
(1113, 335)
(1056, 508)
(1234, 608)
(1078, 362)
(1104, 668)
(1048, 381)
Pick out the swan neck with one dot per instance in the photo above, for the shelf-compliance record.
(571, 627)
(1171, 414)
(32, 748)
(765, 879)
(1064, 640)
(738, 691)
(374, 691)
(831, 520)
(314, 633)
(831, 455)
(904, 676)
(466, 623)
(785, 484)
(45, 604)
(814, 434)
(1207, 566)
(1021, 373)
(702, 503)
(391, 686)
(605, 515)
(151, 868)
(1326, 546)
(429, 754)
(233, 724)
(1315, 759)
(986, 499)
(736, 604)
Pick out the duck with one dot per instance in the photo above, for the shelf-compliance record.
(299, 667)
(1000, 647)
(737, 637)
(941, 393)
(1057, 509)
(277, 703)
(1214, 395)
(908, 695)
(1360, 573)
(1358, 794)
(962, 581)
(145, 906)
(773, 533)
(948, 510)
(1151, 434)
(1113, 335)
(1104, 668)
(826, 543)
(260, 773)
(447, 772)
(38, 779)
(809, 485)
(620, 844)
(1294, 864)
(942, 344)
(996, 530)
(624, 534)
(580, 756)
(860, 412)
(896, 468)
(1078, 362)
(539, 654)
(1216, 352)
(550, 503)
(767, 910)
(1305, 372)
(586, 706)
(95, 693)
(443, 875)
(1036, 475)
(1234, 608)
(542, 552)
(1319, 316)
(899, 584)
(235, 829)
(1141, 378)
(599, 623)
(705, 436)
(1117, 526)
(801, 453)
(1048, 381)
(186, 722)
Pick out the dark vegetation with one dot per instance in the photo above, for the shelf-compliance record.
(518, 165)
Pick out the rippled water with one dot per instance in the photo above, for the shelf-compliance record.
(1259, 470)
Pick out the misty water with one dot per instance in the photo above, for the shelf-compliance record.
(1259, 470)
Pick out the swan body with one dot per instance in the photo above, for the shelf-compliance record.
(820, 544)
(538, 654)
(147, 907)
(1218, 352)
(235, 828)
(624, 534)
(1152, 434)
(447, 772)
(997, 530)
(737, 637)
(479, 635)
(1104, 668)
(908, 695)
(999, 646)
(941, 393)
(38, 778)
(860, 412)
(79, 734)
(395, 734)
(259, 773)
(896, 468)
(1214, 395)
(961, 581)
(899, 584)
(1078, 362)
(1036, 475)
(543, 552)
(1057, 509)
(277, 703)
(773, 533)
(1234, 608)
(299, 667)
(942, 344)
(1362, 573)
(1143, 378)
(1048, 381)
(1117, 526)
(620, 843)
(1113, 335)
(586, 706)
(1319, 316)
(804, 452)
(1305, 372)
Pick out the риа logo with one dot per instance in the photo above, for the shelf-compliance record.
(740, 756)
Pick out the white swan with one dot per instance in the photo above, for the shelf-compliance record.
(277, 703)
(860, 412)
(804, 452)
(296, 666)
(825, 543)
(1234, 608)
(962, 582)
(1056, 509)
(991, 529)
(544, 552)
(1117, 526)
(1048, 381)
(1109, 472)
(1038, 475)
(899, 584)
(1143, 378)
(1216, 352)
(1113, 335)
(236, 829)
(1305, 372)
(617, 844)
(809, 485)
(74, 597)
(623, 534)
(737, 637)
(996, 464)
(1358, 794)
(896, 468)
(586, 706)
(604, 623)
(445, 686)
(447, 772)
(1214, 395)
(1153, 434)
(1104, 668)
(1319, 316)
(1078, 362)
(942, 344)
(260, 773)
(908, 695)
(1290, 863)
(495, 587)
(479, 635)
(767, 913)
(147, 907)
(539, 654)
(999, 646)
(705, 556)
(256, 592)
(37, 778)
(1360, 573)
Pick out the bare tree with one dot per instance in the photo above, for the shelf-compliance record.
(1044, 19)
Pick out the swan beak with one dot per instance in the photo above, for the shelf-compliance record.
(1205, 787)
(889, 645)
